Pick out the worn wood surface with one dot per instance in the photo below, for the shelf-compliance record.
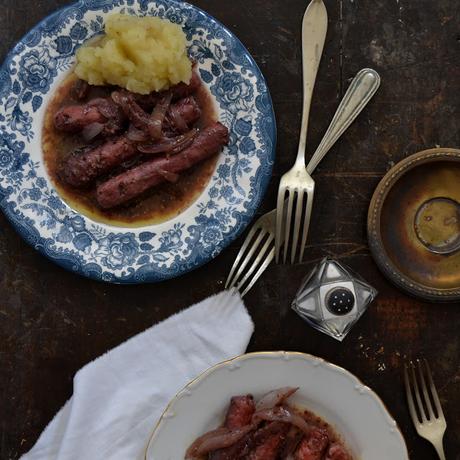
(53, 322)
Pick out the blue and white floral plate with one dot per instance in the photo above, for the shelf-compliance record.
(30, 74)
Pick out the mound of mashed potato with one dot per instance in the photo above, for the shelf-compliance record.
(140, 54)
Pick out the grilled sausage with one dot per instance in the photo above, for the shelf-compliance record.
(269, 448)
(262, 444)
(269, 441)
(182, 90)
(337, 452)
(82, 168)
(240, 411)
(187, 110)
(313, 446)
(74, 118)
(134, 182)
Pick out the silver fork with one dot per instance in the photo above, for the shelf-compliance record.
(429, 425)
(297, 180)
(359, 93)
(263, 231)
(258, 248)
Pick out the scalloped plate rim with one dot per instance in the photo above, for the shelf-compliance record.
(282, 356)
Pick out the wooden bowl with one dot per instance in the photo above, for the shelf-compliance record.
(414, 225)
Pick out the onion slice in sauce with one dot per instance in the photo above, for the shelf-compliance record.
(158, 116)
(216, 439)
(92, 130)
(177, 120)
(120, 98)
(191, 451)
(283, 414)
(138, 117)
(107, 109)
(136, 135)
(171, 145)
(275, 398)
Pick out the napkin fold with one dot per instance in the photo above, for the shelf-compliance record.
(119, 397)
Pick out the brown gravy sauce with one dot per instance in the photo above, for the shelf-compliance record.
(159, 204)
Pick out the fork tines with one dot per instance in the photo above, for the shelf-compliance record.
(292, 225)
(421, 410)
(257, 252)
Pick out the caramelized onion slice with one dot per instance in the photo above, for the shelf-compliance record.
(92, 130)
(275, 398)
(177, 120)
(158, 116)
(105, 106)
(108, 110)
(137, 116)
(171, 145)
(119, 97)
(136, 135)
(283, 414)
(192, 450)
(222, 440)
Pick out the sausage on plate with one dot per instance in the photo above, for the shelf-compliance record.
(130, 184)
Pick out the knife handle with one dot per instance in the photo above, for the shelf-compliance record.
(359, 93)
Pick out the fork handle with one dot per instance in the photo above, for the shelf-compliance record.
(359, 93)
(314, 29)
(439, 449)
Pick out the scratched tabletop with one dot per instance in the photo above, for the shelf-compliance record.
(52, 322)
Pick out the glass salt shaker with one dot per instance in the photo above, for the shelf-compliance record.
(332, 298)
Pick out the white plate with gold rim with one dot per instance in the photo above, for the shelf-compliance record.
(333, 393)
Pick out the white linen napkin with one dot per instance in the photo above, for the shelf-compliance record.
(119, 397)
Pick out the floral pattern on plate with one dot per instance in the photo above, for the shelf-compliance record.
(28, 77)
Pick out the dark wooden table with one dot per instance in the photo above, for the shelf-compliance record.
(53, 322)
